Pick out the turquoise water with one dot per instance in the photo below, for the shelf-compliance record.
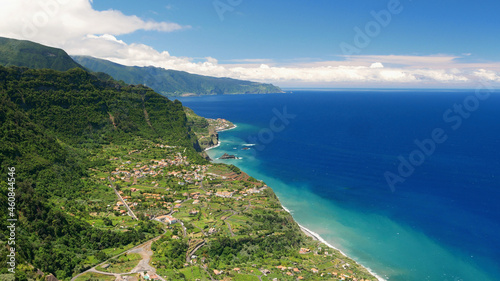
(327, 165)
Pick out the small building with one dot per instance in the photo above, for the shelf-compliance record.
(166, 219)
(304, 251)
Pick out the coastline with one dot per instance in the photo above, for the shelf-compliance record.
(314, 235)
(218, 142)
(317, 237)
(388, 245)
(233, 127)
(306, 231)
(210, 147)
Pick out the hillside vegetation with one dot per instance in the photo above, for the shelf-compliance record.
(51, 123)
(175, 83)
(101, 167)
(33, 55)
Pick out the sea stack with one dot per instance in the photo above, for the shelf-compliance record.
(227, 156)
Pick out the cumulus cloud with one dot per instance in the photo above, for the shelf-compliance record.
(377, 65)
(142, 55)
(62, 22)
(80, 30)
(487, 75)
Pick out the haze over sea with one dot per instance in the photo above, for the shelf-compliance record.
(327, 166)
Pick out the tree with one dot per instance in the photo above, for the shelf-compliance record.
(107, 222)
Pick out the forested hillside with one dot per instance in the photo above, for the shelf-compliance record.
(91, 168)
(50, 122)
(175, 83)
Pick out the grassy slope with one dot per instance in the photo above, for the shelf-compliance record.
(33, 55)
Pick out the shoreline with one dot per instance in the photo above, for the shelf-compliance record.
(311, 233)
(233, 127)
(210, 147)
(218, 142)
(317, 237)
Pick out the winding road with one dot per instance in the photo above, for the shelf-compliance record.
(144, 250)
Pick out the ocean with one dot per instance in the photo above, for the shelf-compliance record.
(406, 182)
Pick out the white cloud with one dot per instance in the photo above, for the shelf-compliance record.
(377, 65)
(487, 75)
(355, 72)
(79, 29)
(63, 22)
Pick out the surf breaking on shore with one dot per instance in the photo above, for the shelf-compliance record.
(317, 237)
(305, 230)
(218, 141)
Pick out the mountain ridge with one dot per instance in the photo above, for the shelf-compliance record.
(167, 82)
(173, 82)
(29, 54)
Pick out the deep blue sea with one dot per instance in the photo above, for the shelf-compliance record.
(327, 155)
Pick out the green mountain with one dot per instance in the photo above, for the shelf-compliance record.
(54, 125)
(33, 55)
(92, 168)
(175, 83)
(24, 53)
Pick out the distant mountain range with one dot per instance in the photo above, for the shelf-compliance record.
(175, 83)
(166, 82)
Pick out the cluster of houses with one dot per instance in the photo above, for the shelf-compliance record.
(191, 176)
(153, 170)
(230, 194)
(293, 271)
(221, 124)
(117, 207)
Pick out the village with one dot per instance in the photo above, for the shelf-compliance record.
(197, 204)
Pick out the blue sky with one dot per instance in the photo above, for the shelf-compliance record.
(443, 44)
(286, 30)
